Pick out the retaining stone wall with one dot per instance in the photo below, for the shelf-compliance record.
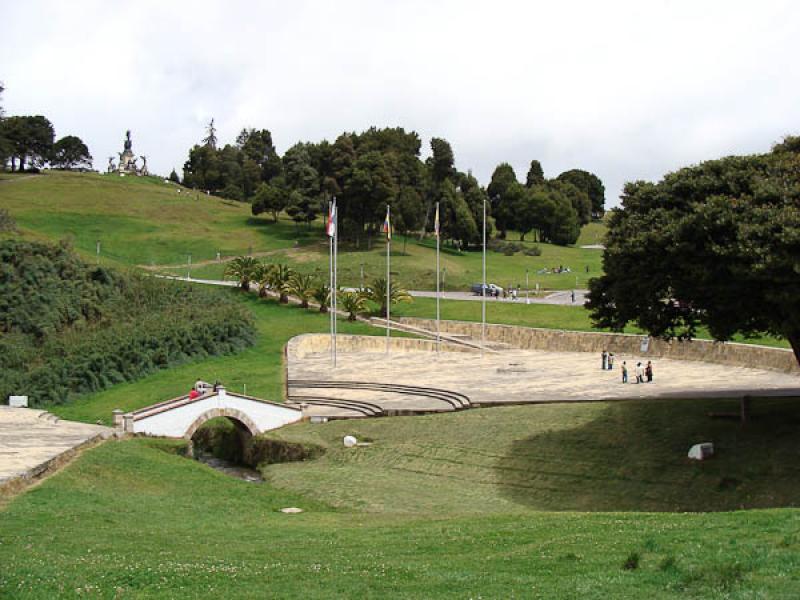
(529, 338)
(314, 343)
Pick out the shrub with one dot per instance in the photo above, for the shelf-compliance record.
(533, 251)
(90, 328)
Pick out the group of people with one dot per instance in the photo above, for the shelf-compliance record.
(642, 373)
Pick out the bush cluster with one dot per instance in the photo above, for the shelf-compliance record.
(69, 328)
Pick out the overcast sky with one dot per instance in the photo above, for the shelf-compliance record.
(627, 90)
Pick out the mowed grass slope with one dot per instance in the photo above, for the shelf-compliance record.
(138, 220)
(132, 519)
(625, 456)
(144, 221)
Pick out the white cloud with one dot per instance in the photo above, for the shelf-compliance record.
(625, 89)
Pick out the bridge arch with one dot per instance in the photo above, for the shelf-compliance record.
(239, 419)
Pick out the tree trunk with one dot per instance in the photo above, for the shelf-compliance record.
(794, 341)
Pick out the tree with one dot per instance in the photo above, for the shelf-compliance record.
(578, 198)
(714, 245)
(456, 220)
(442, 160)
(70, 152)
(535, 174)
(302, 287)
(502, 178)
(211, 136)
(30, 139)
(589, 183)
(243, 268)
(408, 212)
(322, 295)
(232, 192)
(5, 145)
(279, 278)
(353, 303)
(377, 294)
(269, 198)
(173, 177)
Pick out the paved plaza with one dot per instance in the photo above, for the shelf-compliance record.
(31, 438)
(531, 376)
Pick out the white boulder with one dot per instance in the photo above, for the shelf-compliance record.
(349, 441)
(701, 451)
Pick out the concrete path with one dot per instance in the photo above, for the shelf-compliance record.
(562, 297)
(29, 439)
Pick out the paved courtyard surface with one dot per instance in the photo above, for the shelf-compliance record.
(29, 438)
(529, 376)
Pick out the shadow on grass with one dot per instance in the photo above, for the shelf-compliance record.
(633, 457)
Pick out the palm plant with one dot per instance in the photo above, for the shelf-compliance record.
(301, 286)
(322, 295)
(278, 279)
(353, 303)
(262, 276)
(377, 294)
(242, 268)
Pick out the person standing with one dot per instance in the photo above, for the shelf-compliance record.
(624, 372)
(604, 360)
(639, 373)
(648, 372)
(610, 361)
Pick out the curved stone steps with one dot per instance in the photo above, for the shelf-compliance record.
(367, 409)
(454, 400)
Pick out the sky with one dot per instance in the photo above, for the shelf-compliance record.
(626, 89)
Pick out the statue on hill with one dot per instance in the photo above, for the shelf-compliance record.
(127, 160)
(111, 166)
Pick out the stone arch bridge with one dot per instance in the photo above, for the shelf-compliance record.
(181, 417)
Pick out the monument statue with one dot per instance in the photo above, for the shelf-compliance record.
(143, 170)
(111, 166)
(127, 160)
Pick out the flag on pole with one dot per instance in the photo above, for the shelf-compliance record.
(436, 221)
(330, 228)
(387, 226)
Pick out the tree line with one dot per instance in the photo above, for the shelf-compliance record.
(28, 142)
(368, 170)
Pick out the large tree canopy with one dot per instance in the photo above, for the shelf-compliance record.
(717, 245)
(70, 152)
(591, 185)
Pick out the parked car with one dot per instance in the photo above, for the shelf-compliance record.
(491, 289)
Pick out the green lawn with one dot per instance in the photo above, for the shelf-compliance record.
(445, 506)
(548, 316)
(144, 221)
(139, 220)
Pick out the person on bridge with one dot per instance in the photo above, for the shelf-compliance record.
(648, 372)
(624, 372)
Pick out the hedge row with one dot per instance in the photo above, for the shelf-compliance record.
(136, 326)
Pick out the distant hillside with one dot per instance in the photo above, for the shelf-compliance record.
(146, 222)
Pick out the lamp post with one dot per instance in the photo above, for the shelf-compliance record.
(527, 288)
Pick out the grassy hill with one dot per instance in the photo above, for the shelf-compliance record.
(144, 221)
(445, 506)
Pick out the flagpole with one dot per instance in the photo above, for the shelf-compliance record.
(388, 273)
(335, 276)
(330, 274)
(483, 290)
(438, 314)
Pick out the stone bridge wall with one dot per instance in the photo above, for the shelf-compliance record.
(529, 338)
